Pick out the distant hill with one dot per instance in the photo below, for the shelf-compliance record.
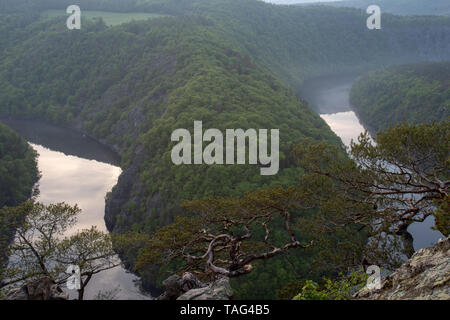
(414, 93)
(401, 7)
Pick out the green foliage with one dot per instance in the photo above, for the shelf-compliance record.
(310, 291)
(42, 246)
(255, 238)
(382, 189)
(341, 289)
(235, 232)
(336, 205)
(18, 168)
(18, 175)
(415, 93)
(442, 215)
(290, 290)
(229, 63)
(167, 74)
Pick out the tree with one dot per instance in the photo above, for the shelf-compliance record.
(223, 236)
(41, 246)
(384, 186)
(92, 251)
(350, 210)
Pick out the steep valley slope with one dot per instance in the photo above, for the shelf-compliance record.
(230, 63)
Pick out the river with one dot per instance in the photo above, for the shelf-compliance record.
(330, 98)
(78, 170)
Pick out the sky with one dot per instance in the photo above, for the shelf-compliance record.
(296, 1)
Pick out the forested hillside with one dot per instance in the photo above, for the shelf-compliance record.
(295, 42)
(403, 7)
(18, 168)
(18, 174)
(229, 63)
(300, 42)
(414, 93)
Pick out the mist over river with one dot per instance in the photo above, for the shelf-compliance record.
(329, 96)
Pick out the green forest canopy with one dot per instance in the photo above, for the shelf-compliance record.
(415, 93)
(18, 174)
(18, 168)
(229, 63)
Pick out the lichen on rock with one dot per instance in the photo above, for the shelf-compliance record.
(426, 276)
(188, 287)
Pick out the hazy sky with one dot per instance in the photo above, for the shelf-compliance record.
(296, 1)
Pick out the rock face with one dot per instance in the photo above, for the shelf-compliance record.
(217, 290)
(41, 289)
(188, 287)
(426, 276)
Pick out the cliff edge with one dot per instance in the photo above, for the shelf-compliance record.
(426, 276)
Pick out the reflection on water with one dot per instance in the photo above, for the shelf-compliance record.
(345, 124)
(68, 141)
(423, 235)
(78, 170)
(86, 183)
(330, 98)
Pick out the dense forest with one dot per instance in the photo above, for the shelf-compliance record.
(18, 168)
(18, 174)
(229, 63)
(414, 93)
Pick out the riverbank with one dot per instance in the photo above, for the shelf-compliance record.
(330, 97)
(77, 169)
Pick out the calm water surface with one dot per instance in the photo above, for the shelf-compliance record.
(78, 170)
(330, 98)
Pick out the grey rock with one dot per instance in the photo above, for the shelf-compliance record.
(188, 287)
(426, 276)
(41, 289)
(189, 282)
(217, 290)
(172, 288)
(176, 286)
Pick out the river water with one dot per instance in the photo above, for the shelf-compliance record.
(330, 98)
(78, 170)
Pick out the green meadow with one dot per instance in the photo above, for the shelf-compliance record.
(110, 18)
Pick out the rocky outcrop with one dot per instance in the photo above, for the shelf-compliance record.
(426, 276)
(41, 289)
(217, 290)
(176, 286)
(188, 287)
